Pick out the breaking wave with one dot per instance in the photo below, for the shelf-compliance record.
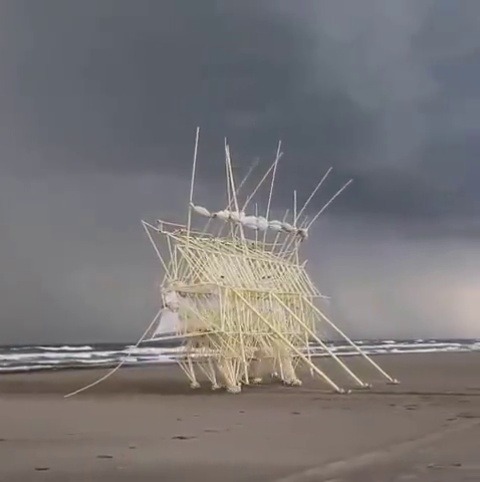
(15, 359)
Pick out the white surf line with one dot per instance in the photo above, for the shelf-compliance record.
(345, 466)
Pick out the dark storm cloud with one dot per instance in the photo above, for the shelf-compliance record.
(100, 100)
(372, 88)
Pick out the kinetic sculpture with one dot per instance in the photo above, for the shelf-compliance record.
(237, 294)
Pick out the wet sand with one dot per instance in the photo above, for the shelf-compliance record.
(145, 424)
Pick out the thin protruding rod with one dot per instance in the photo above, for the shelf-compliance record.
(330, 202)
(295, 220)
(270, 194)
(277, 237)
(295, 207)
(229, 206)
(227, 176)
(261, 182)
(229, 187)
(192, 180)
(232, 184)
(155, 247)
(247, 176)
(256, 231)
(122, 361)
(317, 187)
(231, 179)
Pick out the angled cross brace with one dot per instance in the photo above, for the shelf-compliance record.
(320, 342)
(290, 345)
(351, 343)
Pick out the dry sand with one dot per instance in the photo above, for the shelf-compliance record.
(144, 424)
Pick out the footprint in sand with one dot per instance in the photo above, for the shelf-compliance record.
(439, 466)
(467, 415)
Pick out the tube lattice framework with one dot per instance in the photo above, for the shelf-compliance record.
(238, 296)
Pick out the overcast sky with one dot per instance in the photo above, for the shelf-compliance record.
(99, 103)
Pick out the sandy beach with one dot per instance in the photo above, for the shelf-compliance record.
(145, 424)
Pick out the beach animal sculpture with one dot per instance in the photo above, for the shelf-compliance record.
(236, 293)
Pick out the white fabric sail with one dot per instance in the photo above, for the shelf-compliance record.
(250, 222)
(257, 223)
(275, 225)
(262, 223)
(224, 215)
(168, 324)
(202, 211)
(171, 300)
(288, 227)
(236, 216)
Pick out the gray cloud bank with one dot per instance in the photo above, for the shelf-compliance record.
(99, 105)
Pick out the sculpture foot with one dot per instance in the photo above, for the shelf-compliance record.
(234, 389)
(295, 382)
(393, 382)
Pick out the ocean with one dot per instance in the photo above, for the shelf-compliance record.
(29, 358)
